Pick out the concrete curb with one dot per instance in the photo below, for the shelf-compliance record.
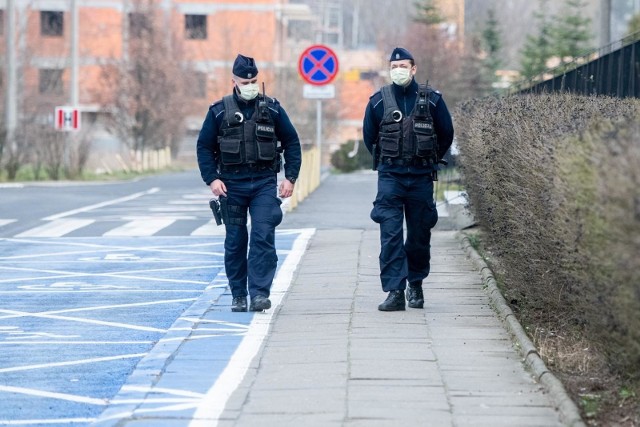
(569, 413)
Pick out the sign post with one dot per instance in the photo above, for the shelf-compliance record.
(318, 66)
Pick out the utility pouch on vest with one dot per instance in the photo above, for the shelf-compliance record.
(389, 139)
(265, 137)
(230, 142)
(425, 139)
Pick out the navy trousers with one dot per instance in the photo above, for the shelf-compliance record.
(400, 197)
(258, 197)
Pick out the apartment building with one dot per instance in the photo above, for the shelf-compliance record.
(209, 34)
(61, 48)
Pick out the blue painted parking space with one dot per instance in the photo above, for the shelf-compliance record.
(89, 325)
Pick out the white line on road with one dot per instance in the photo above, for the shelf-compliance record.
(56, 421)
(213, 403)
(102, 204)
(6, 221)
(72, 362)
(14, 313)
(61, 396)
(56, 228)
(142, 227)
(209, 229)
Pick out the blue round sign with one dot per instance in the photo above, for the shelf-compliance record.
(318, 65)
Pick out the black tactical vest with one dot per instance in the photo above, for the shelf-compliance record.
(407, 140)
(247, 142)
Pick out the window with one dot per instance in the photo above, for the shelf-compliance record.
(197, 87)
(50, 81)
(51, 23)
(195, 26)
(138, 25)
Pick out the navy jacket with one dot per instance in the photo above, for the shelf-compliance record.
(406, 99)
(208, 148)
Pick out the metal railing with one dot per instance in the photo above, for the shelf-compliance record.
(612, 70)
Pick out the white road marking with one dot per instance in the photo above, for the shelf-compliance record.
(68, 343)
(120, 275)
(57, 421)
(102, 204)
(6, 221)
(61, 396)
(80, 320)
(56, 228)
(97, 248)
(142, 227)
(209, 229)
(213, 403)
(176, 392)
(72, 362)
(103, 307)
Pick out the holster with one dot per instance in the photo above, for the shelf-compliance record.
(220, 210)
(214, 204)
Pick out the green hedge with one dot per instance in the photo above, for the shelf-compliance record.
(554, 182)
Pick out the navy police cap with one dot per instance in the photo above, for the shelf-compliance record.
(399, 54)
(244, 67)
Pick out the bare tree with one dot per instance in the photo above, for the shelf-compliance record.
(148, 86)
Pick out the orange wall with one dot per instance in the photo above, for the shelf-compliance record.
(101, 35)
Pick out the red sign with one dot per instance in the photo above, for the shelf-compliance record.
(318, 65)
(67, 118)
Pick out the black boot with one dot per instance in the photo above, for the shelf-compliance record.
(394, 301)
(239, 304)
(415, 297)
(259, 303)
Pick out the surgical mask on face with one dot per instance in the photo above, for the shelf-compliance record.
(400, 76)
(248, 91)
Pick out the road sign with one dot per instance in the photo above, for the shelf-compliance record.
(319, 92)
(318, 65)
(67, 118)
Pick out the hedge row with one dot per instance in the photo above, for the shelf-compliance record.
(554, 181)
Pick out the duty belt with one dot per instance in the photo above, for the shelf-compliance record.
(249, 167)
(405, 162)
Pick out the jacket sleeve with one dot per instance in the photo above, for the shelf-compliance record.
(207, 149)
(371, 124)
(443, 126)
(288, 137)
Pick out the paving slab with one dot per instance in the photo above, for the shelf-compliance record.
(332, 359)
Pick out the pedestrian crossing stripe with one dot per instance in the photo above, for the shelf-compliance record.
(6, 221)
(56, 228)
(141, 227)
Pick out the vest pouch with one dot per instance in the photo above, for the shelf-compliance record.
(230, 143)
(425, 139)
(389, 139)
(265, 140)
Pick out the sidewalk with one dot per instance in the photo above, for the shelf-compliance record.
(332, 359)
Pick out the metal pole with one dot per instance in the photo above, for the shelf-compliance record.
(319, 132)
(605, 23)
(11, 100)
(74, 53)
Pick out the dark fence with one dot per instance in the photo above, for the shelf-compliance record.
(616, 73)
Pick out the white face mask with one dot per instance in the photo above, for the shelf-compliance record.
(248, 91)
(400, 76)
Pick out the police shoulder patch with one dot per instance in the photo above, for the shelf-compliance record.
(434, 96)
(216, 104)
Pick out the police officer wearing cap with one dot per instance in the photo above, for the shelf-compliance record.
(239, 158)
(408, 129)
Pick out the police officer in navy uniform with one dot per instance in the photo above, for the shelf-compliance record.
(408, 129)
(239, 158)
